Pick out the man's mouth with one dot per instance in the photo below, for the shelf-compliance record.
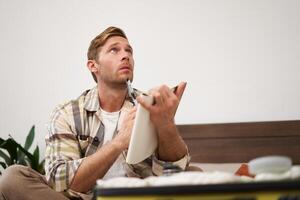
(125, 68)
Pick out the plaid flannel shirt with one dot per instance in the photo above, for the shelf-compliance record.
(75, 131)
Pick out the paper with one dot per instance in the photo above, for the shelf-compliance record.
(143, 141)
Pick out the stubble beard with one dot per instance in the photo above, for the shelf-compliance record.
(119, 84)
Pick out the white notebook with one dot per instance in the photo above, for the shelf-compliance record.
(143, 141)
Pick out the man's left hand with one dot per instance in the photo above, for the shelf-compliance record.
(162, 112)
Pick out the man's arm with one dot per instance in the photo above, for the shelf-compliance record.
(96, 165)
(171, 146)
(65, 168)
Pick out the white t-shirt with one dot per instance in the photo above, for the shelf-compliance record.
(110, 122)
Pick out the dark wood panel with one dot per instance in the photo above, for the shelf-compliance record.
(242, 150)
(241, 142)
(244, 129)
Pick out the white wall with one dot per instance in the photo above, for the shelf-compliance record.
(240, 58)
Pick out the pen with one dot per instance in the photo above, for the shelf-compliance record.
(153, 99)
(131, 93)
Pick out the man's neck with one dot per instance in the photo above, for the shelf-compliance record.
(111, 99)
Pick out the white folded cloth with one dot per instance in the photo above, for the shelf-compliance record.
(197, 178)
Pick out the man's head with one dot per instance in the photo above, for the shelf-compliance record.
(110, 56)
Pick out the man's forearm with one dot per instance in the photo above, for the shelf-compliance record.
(171, 146)
(95, 166)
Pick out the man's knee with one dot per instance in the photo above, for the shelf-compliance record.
(12, 177)
(14, 169)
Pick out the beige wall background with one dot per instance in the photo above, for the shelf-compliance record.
(240, 58)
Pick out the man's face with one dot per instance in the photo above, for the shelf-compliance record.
(115, 61)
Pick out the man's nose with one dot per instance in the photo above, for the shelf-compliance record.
(125, 55)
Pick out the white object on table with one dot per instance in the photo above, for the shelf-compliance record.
(270, 164)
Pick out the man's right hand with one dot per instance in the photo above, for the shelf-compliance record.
(123, 137)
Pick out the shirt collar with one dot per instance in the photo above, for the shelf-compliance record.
(91, 102)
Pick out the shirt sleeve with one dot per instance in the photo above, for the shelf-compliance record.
(153, 166)
(158, 165)
(62, 157)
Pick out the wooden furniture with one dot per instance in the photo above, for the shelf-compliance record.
(241, 142)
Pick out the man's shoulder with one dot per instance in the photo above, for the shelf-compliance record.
(68, 106)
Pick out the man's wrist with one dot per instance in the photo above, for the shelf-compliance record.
(166, 127)
(118, 144)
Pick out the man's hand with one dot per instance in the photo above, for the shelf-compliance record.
(166, 102)
(123, 137)
(171, 147)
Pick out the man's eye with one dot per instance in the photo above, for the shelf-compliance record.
(129, 51)
(113, 50)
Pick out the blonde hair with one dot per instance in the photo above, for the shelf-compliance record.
(100, 40)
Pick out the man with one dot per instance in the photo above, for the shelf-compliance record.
(88, 137)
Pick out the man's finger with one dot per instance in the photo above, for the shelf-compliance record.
(180, 89)
(145, 102)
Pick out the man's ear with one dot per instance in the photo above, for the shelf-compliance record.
(93, 66)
